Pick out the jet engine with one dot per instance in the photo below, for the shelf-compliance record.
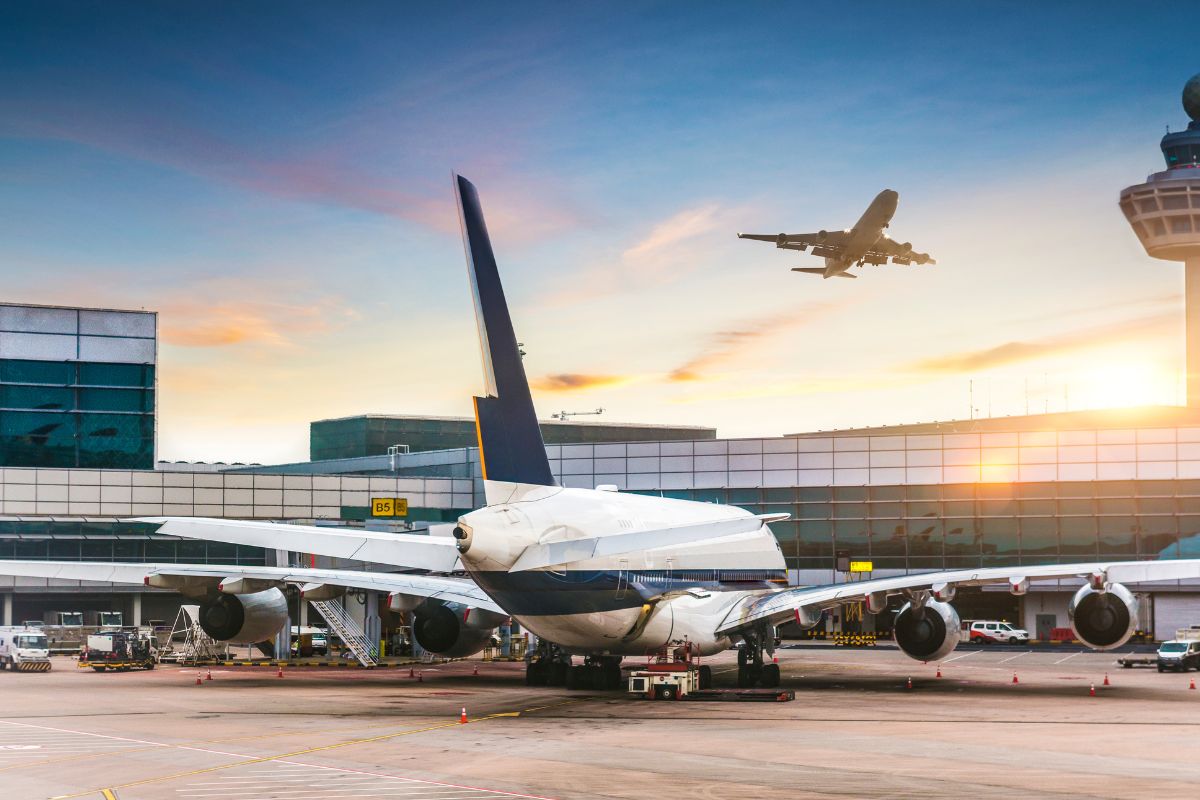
(453, 630)
(927, 633)
(1103, 619)
(822, 234)
(244, 618)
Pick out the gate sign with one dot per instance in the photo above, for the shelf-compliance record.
(389, 507)
(862, 566)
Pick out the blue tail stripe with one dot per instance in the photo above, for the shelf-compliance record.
(510, 441)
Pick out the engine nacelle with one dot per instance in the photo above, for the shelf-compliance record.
(441, 629)
(244, 618)
(1103, 620)
(822, 234)
(928, 633)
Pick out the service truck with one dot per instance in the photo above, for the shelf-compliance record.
(119, 650)
(24, 649)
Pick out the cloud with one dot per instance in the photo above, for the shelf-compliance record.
(193, 324)
(679, 227)
(571, 381)
(1070, 341)
(727, 345)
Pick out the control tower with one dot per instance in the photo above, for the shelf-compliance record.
(1165, 214)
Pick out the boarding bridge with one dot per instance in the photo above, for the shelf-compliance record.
(348, 631)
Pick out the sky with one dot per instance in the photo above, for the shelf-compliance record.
(274, 180)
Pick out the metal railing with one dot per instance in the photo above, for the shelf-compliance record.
(348, 631)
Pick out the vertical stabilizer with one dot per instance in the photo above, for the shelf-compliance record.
(510, 441)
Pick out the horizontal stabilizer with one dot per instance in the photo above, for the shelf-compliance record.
(550, 553)
(821, 272)
(433, 553)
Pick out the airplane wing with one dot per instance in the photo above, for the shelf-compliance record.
(831, 241)
(432, 553)
(899, 252)
(200, 577)
(789, 604)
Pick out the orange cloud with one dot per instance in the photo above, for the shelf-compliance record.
(570, 381)
(1080, 339)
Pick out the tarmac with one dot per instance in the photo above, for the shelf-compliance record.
(855, 729)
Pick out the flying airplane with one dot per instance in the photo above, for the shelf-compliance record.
(601, 574)
(865, 243)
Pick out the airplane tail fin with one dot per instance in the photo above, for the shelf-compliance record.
(821, 272)
(510, 441)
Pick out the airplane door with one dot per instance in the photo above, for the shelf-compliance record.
(622, 578)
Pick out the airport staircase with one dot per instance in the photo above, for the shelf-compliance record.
(348, 631)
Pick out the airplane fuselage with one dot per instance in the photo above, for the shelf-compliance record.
(865, 233)
(630, 604)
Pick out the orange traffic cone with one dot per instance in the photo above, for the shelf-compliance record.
(939, 672)
(462, 719)
(476, 670)
(209, 678)
(908, 684)
(198, 681)
(1192, 685)
(411, 673)
(774, 659)
(1092, 691)
(279, 674)
(1015, 678)
(1106, 683)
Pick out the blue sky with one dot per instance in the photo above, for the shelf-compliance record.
(273, 178)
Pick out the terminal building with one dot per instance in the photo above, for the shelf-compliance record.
(1056, 488)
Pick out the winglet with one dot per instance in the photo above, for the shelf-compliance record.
(510, 441)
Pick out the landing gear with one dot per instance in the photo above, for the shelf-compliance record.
(752, 667)
(547, 665)
(601, 673)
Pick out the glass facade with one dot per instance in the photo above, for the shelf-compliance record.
(47, 540)
(76, 414)
(957, 526)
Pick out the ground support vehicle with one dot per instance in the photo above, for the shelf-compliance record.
(118, 650)
(985, 631)
(1179, 655)
(24, 649)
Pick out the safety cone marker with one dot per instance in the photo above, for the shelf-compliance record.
(462, 720)
(1015, 678)
(1106, 683)
(1092, 691)
(908, 684)
(279, 674)
(421, 677)
(209, 678)
(411, 673)
(1192, 685)
(774, 659)
(939, 672)
(198, 681)
(476, 671)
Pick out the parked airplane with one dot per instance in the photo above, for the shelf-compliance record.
(865, 243)
(602, 574)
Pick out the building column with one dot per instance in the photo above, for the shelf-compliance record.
(8, 611)
(1191, 311)
(372, 625)
(136, 615)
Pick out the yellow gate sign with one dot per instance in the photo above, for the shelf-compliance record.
(389, 507)
(862, 566)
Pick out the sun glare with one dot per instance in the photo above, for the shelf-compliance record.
(1125, 385)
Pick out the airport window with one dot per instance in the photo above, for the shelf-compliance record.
(1077, 506)
(814, 494)
(922, 509)
(814, 510)
(1156, 505)
(778, 495)
(959, 508)
(1037, 507)
(850, 510)
(1181, 224)
(1174, 202)
(139, 375)
(1147, 205)
(997, 508)
(921, 492)
(738, 497)
(850, 493)
(887, 492)
(37, 397)
(140, 400)
(852, 535)
(885, 510)
(1039, 539)
(925, 546)
(958, 491)
(56, 373)
(1115, 505)
(1117, 536)
(1157, 228)
(1077, 537)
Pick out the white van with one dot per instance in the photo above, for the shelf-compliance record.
(990, 631)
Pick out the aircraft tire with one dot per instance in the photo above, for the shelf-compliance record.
(558, 674)
(705, 677)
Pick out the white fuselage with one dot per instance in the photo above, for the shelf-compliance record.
(865, 233)
(628, 604)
